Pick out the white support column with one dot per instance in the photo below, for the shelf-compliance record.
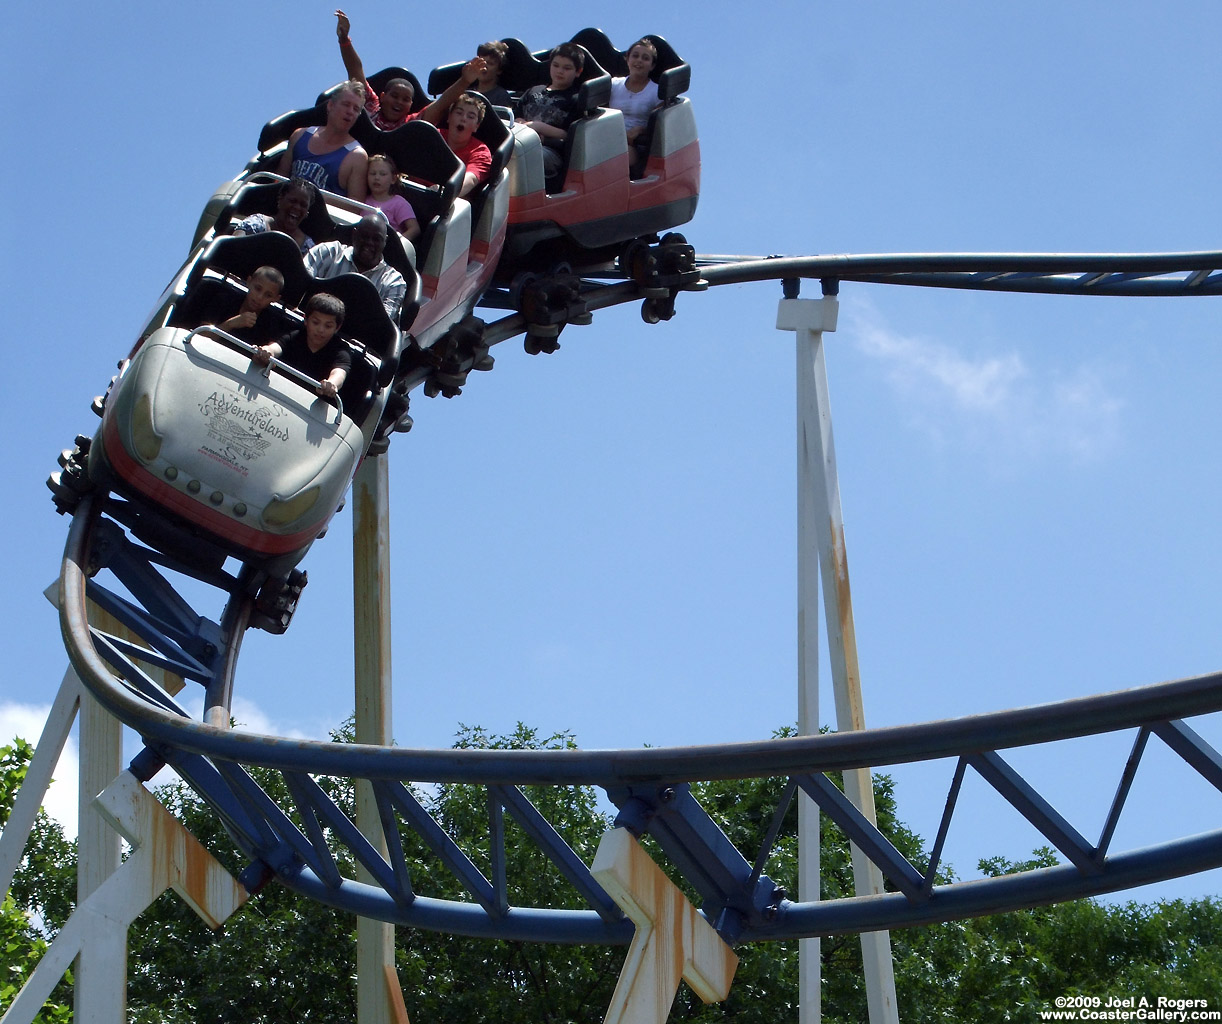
(164, 856)
(378, 996)
(672, 943)
(810, 974)
(38, 777)
(100, 980)
(821, 525)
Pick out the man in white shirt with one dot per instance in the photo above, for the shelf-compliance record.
(364, 257)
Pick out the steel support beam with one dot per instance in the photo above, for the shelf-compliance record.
(378, 996)
(821, 525)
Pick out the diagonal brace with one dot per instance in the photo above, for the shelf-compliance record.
(865, 835)
(556, 850)
(1193, 749)
(1021, 795)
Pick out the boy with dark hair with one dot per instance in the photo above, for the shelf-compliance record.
(550, 109)
(263, 287)
(316, 349)
(488, 84)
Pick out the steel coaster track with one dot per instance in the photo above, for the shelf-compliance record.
(650, 787)
(1164, 274)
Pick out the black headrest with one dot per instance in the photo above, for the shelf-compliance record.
(670, 71)
(379, 80)
(256, 197)
(440, 79)
(392, 252)
(594, 93)
(595, 42)
(420, 152)
(364, 315)
(674, 82)
(280, 128)
(366, 133)
(667, 58)
(519, 69)
(492, 131)
(240, 255)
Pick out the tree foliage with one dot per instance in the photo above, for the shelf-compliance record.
(279, 958)
(41, 896)
(519, 983)
(285, 958)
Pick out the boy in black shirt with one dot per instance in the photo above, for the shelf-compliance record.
(263, 287)
(550, 109)
(315, 349)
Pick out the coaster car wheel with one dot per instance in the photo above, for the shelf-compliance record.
(658, 308)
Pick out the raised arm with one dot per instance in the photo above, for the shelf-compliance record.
(352, 62)
(435, 112)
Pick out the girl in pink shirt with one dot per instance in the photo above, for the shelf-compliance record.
(382, 174)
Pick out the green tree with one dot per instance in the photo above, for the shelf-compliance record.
(1014, 965)
(279, 958)
(518, 982)
(285, 958)
(41, 896)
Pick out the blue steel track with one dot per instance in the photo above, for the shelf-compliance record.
(650, 787)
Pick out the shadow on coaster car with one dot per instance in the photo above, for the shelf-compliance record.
(210, 454)
(599, 207)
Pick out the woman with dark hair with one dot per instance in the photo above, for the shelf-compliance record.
(637, 96)
(293, 204)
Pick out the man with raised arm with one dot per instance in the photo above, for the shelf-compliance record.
(394, 106)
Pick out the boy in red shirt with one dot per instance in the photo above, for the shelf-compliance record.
(465, 117)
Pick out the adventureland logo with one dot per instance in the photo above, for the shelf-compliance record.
(240, 430)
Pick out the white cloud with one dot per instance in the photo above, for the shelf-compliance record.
(990, 401)
(248, 716)
(26, 721)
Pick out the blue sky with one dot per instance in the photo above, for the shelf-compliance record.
(603, 540)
